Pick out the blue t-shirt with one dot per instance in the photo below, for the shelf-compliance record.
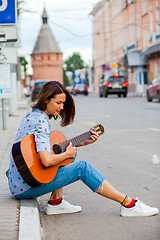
(34, 122)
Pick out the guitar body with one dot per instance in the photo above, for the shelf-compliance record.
(29, 164)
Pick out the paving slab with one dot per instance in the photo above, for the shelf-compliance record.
(15, 214)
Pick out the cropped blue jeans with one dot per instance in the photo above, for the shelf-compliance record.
(80, 170)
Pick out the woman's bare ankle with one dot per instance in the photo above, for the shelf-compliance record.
(55, 196)
(126, 201)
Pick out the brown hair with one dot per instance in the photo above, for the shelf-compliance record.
(50, 90)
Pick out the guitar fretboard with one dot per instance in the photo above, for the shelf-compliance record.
(76, 140)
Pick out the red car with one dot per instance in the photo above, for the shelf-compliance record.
(153, 90)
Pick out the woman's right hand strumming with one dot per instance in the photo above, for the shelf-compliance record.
(71, 151)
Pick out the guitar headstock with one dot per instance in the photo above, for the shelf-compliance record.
(99, 129)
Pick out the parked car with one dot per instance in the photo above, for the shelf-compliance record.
(36, 88)
(71, 90)
(27, 91)
(153, 90)
(113, 85)
(80, 88)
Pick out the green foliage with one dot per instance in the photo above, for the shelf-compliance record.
(87, 79)
(71, 64)
(19, 6)
(65, 78)
(74, 62)
(24, 63)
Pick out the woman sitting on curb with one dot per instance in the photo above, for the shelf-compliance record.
(55, 101)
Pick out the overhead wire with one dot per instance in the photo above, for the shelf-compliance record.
(100, 32)
(87, 34)
(98, 21)
(87, 9)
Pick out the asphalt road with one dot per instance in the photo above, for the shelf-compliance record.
(123, 154)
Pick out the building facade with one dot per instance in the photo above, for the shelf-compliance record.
(126, 41)
(46, 57)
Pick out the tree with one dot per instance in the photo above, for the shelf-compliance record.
(74, 62)
(19, 6)
(24, 63)
(65, 78)
(87, 78)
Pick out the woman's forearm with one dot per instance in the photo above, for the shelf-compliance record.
(51, 159)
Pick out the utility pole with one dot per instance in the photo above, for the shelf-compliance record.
(8, 56)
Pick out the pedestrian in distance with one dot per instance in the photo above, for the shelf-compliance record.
(54, 102)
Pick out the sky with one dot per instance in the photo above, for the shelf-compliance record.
(69, 21)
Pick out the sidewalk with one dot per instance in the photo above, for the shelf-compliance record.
(18, 219)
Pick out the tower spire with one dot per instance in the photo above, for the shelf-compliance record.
(44, 16)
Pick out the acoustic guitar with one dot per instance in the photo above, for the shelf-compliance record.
(29, 164)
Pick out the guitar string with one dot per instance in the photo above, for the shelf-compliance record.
(75, 141)
(81, 138)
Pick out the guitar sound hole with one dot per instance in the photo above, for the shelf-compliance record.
(57, 149)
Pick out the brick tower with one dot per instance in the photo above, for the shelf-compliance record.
(46, 57)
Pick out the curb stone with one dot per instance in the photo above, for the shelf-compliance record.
(136, 94)
(29, 226)
(16, 222)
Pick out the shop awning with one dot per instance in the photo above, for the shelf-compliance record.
(137, 59)
(152, 49)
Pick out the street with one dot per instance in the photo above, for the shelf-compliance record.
(123, 153)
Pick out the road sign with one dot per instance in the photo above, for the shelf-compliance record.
(8, 12)
(8, 33)
(114, 65)
(5, 83)
(8, 55)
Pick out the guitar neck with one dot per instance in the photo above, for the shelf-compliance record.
(76, 140)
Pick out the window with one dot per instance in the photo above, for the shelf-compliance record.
(157, 15)
(144, 5)
(130, 1)
(157, 68)
(145, 34)
(151, 19)
(124, 3)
